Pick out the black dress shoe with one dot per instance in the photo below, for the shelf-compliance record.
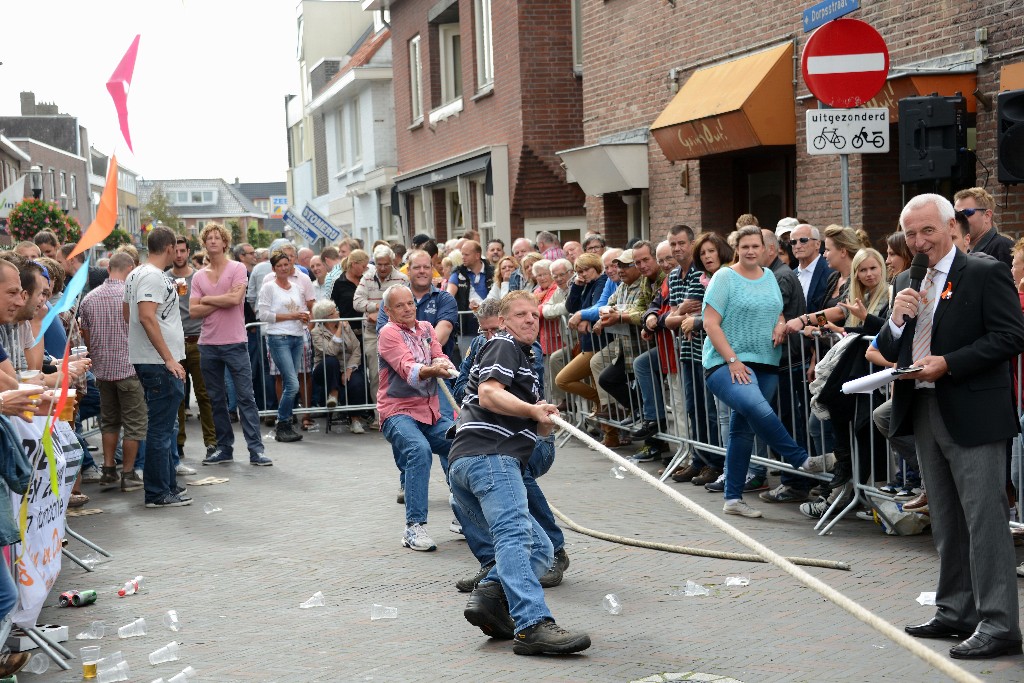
(983, 646)
(935, 629)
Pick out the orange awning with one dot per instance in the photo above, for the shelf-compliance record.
(743, 103)
(900, 86)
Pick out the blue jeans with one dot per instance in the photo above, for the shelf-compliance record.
(479, 538)
(700, 407)
(647, 368)
(216, 362)
(229, 390)
(491, 492)
(164, 393)
(286, 350)
(413, 445)
(751, 414)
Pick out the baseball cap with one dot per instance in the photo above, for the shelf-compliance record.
(625, 258)
(786, 225)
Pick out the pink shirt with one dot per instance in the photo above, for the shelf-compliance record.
(403, 352)
(224, 325)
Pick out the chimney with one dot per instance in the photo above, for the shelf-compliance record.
(28, 103)
(236, 181)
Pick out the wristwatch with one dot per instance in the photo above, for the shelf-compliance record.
(732, 360)
(822, 320)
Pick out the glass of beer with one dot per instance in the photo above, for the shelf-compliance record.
(181, 285)
(68, 413)
(90, 655)
(33, 397)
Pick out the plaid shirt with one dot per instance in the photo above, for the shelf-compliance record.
(101, 315)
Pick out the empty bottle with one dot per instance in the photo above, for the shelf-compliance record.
(95, 632)
(171, 620)
(382, 612)
(611, 604)
(131, 587)
(317, 600)
(187, 674)
(37, 665)
(167, 653)
(136, 628)
(117, 672)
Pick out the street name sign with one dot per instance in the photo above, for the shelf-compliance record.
(826, 11)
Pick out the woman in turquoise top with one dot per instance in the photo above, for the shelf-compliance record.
(744, 325)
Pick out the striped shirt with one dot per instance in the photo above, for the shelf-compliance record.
(102, 317)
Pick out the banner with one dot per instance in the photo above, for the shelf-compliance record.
(12, 196)
(41, 556)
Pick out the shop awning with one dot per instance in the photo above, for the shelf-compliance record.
(743, 103)
(611, 167)
(414, 180)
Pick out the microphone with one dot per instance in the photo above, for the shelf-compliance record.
(918, 269)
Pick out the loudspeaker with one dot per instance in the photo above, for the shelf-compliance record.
(1010, 136)
(933, 137)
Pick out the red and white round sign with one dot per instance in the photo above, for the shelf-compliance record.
(845, 63)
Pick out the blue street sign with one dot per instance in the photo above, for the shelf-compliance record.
(299, 225)
(320, 223)
(826, 11)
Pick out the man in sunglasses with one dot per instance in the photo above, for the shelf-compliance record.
(977, 205)
(811, 268)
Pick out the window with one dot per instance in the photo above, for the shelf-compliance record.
(74, 192)
(63, 183)
(577, 36)
(454, 212)
(53, 184)
(484, 44)
(185, 197)
(339, 134)
(451, 62)
(357, 134)
(415, 79)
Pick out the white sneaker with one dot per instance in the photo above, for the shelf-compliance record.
(739, 507)
(356, 426)
(332, 401)
(184, 469)
(415, 537)
(455, 527)
(91, 475)
(820, 463)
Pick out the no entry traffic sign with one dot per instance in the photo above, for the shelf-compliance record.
(845, 63)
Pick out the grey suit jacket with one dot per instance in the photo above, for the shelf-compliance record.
(977, 328)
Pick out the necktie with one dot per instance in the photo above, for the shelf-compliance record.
(925, 312)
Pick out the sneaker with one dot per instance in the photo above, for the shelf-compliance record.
(182, 492)
(553, 576)
(784, 494)
(184, 470)
(285, 433)
(356, 426)
(820, 463)
(455, 527)
(218, 457)
(645, 454)
(841, 473)
(209, 450)
(1020, 569)
(260, 460)
(400, 499)
(707, 475)
(815, 510)
(468, 583)
(866, 515)
(754, 484)
(170, 500)
(547, 637)
(415, 537)
(907, 492)
(716, 486)
(739, 507)
(332, 401)
(646, 429)
(374, 424)
(110, 475)
(891, 489)
(91, 475)
(130, 481)
(487, 609)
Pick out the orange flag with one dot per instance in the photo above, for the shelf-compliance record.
(106, 214)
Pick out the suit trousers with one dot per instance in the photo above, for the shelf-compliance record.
(977, 588)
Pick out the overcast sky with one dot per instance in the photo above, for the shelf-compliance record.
(207, 97)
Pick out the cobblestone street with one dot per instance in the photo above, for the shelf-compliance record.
(324, 518)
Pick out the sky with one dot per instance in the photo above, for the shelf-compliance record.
(207, 95)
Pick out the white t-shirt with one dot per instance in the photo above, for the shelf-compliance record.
(148, 283)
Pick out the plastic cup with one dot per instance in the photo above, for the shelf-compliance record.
(136, 628)
(90, 655)
(38, 664)
(210, 508)
(382, 612)
(171, 620)
(117, 672)
(34, 397)
(187, 674)
(167, 653)
(611, 604)
(68, 413)
(181, 285)
(317, 600)
(96, 631)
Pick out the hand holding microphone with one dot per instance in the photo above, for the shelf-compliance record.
(905, 305)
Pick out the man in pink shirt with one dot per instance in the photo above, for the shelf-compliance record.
(410, 417)
(218, 292)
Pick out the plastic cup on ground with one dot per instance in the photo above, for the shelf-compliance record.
(117, 672)
(167, 653)
(96, 631)
(616, 472)
(90, 654)
(611, 604)
(136, 628)
(737, 581)
(171, 620)
(316, 600)
(38, 664)
(187, 674)
(382, 612)
(210, 508)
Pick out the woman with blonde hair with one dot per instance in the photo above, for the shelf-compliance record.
(869, 290)
(526, 268)
(502, 272)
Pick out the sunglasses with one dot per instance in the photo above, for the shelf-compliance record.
(801, 240)
(970, 212)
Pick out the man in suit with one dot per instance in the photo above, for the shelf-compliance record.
(811, 270)
(961, 328)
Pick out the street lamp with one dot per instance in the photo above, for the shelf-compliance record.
(35, 181)
(64, 206)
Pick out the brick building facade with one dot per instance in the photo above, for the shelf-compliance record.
(638, 54)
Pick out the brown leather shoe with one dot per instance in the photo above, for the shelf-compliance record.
(919, 504)
(687, 473)
(706, 476)
(12, 662)
(611, 440)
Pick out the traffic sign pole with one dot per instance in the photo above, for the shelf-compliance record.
(844, 181)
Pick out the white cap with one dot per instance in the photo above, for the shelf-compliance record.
(786, 225)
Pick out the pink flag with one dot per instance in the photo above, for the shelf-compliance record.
(118, 85)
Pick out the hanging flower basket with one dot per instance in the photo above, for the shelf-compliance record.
(31, 216)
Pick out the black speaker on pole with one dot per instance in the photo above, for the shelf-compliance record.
(1010, 136)
(933, 137)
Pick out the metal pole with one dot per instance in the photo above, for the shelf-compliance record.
(844, 168)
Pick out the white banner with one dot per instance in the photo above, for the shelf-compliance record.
(41, 556)
(11, 196)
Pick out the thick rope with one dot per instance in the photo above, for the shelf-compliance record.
(684, 550)
(885, 628)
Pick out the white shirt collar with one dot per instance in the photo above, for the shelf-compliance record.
(811, 266)
(946, 262)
